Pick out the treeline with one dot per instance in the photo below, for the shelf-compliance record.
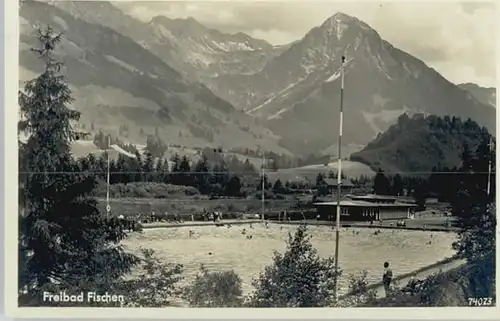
(216, 177)
(212, 174)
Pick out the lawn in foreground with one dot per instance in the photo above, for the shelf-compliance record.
(222, 248)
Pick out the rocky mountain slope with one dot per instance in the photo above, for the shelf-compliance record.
(187, 46)
(293, 90)
(120, 86)
(298, 91)
(483, 94)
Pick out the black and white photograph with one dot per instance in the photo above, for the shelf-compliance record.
(249, 154)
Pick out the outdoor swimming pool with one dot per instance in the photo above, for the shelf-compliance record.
(362, 250)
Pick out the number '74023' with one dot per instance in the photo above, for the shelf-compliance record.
(480, 301)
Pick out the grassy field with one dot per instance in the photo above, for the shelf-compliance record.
(222, 248)
(308, 173)
(188, 206)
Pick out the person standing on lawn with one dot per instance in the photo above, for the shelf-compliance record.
(387, 278)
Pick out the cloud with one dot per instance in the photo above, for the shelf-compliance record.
(456, 38)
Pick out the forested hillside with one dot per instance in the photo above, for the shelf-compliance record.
(419, 143)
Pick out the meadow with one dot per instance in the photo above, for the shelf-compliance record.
(188, 206)
(309, 173)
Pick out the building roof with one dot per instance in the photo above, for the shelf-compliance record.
(353, 203)
(333, 182)
(373, 197)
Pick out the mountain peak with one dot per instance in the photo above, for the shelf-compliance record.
(338, 18)
(180, 25)
(341, 21)
(343, 16)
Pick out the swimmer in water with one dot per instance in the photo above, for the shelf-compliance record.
(244, 231)
(249, 237)
(191, 233)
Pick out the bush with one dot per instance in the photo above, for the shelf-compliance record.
(214, 289)
(297, 278)
(155, 285)
(358, 290)
(145, 190)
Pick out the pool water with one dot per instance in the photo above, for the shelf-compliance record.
(360, 249)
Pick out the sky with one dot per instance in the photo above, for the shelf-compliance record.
(458, 39)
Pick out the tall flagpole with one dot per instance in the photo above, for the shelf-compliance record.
(339, 180)
(263, 185)
(108, 208)
(488, 188)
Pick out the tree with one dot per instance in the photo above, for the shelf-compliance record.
(201, 177)
(148, 168)
(158, 168)
(185, 169)
(176, 162)
(163, 169)
(474, 208)
(381, 184)
(296, 279)
(467, 158)
(476, 216)
(122, 166)
(278, 186)
(137, 173)
(266, 182)
(420, 196)
(478, 239)
(320, 179)
(397, 185)
(64, 241)
(248, 167)
(233, 187)
(321, 185)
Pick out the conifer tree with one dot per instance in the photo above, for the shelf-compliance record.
(64, 242)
